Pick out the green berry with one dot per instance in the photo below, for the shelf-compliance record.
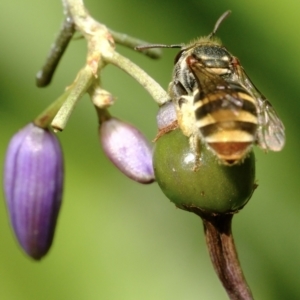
(202, 183)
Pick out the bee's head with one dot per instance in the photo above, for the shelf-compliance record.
(211, 55)
(208, 50)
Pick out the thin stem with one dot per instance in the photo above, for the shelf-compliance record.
(81, 84)
(44, 119)
(99, 39)
(152, 87)
(132, 42)
(224, 256)
(101, 50)
(223, 253)
(102, 114)
(44, 76)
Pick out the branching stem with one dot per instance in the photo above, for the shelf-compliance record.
(101, 50)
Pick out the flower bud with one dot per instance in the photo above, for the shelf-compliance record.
(33, 183)
(166, 115)
(127, 149)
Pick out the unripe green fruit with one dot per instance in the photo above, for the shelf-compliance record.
(212, 187)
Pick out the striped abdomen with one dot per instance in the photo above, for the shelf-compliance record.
(227, 120)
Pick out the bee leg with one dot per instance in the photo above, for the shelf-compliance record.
(195, 146)
(165, 130)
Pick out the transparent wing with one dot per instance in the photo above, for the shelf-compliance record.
(270, 131)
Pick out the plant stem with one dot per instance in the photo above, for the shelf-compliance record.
(81, 84)
(44, 119)
(148, 83)
(223, 254)
(102, 114)
(131, 42)
(44, 76)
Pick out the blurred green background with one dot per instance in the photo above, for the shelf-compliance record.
(117, 239)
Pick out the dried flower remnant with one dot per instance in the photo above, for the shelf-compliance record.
(127, 149)
(33, 184)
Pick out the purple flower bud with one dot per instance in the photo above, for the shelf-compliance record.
(127, 149)
(166, 115)
(33, 183)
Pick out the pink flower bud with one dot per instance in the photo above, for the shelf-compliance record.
(127, 149)
(166, 115)
(33, 183)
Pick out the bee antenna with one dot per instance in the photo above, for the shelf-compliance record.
(218, 23)
(151, 46)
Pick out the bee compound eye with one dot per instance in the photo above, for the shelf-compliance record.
(166, 115)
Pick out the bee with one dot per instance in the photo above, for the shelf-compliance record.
(216, 101)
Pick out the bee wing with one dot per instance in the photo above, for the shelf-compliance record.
(270, 131)
(213, 87)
